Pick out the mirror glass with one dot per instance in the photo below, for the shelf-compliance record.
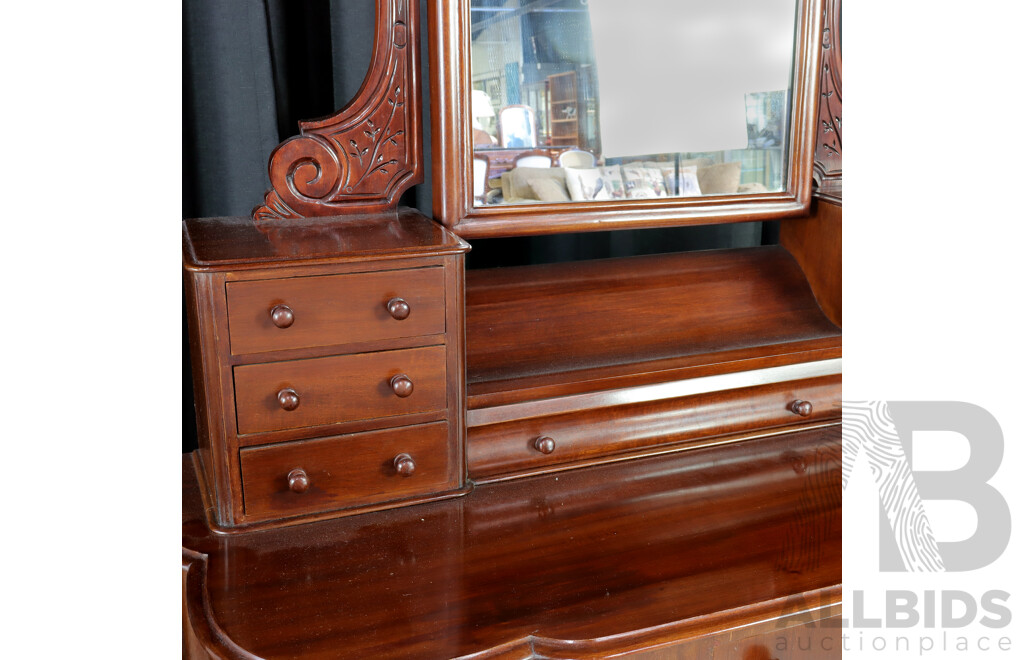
(580, 100)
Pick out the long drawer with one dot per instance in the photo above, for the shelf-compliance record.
(303, 312)
(346, 471)
(538, 443)
(301, 393)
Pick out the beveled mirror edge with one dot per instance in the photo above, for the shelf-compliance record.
(452, 151)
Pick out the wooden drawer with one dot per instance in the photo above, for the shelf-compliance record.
(338, 389)
(347, 471)
(514, 447)
(334, 309)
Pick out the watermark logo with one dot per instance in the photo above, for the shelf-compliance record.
(883, 432)
(899, 617)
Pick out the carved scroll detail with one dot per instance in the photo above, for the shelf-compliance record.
(828, 154)
(363, 157)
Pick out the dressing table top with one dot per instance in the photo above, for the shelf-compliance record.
(238, 242)
(620, 556)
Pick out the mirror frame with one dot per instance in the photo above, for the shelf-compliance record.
(452, 151)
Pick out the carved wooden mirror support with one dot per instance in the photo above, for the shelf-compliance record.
(363, 157)
(828, 156)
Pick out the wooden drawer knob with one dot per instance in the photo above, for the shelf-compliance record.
(401, 385)
(288, 399)
(298, 480)
(544, 445)
(404, 465)
(398, 309)
(282, 316)
(800, 407)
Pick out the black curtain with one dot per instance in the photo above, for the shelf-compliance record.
(251, 69)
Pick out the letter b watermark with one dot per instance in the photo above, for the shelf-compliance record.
(883, 431)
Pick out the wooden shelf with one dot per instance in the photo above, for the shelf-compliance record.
(562, 93)
(616, 322)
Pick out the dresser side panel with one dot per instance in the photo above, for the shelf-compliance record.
(207, 340)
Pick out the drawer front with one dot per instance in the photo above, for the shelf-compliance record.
(304, 312)
(301, 393)
(346, 471)
(538, 443)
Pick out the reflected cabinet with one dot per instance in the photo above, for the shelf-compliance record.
(635, 456)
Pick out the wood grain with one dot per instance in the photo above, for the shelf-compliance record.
(339, 388)
(347, 471)
(828, 153)
(364, 156)
(223, 253)
(509, 447)
(817, 245)
(663, 552)
(336, 309)
(634, 311)
(236, 243)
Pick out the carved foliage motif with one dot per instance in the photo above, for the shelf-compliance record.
(366, 155)
(828, 155)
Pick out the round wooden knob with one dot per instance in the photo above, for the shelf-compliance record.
(404, 465)
(800, 407)
(288, 399)
(298, 480)
(544, 445)
(398, 309)
(282, 316)
(401, 385)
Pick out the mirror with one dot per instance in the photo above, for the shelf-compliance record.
(649, 112)
(517, 128)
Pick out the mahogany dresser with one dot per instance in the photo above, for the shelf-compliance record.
(635, 457)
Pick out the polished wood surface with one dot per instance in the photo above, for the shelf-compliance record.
(561, 441)
(704, 526)
(635, 314)
(398, 308)
(337, 309)
(346, 471)
(339, 388)
(237, 243)
(828, 153)
(452, 150)
(363, 157)
(816, 243)
(658, 554)
(351, 357)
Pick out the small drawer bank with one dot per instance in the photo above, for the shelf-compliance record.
(328, 381)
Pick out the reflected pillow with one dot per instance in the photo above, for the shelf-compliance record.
(689, 185)
(643, 182)
(521, 178)
(594, 183)
(549, 190)
(668, 173)
(720, 179)
(703, 161)
(755, 187)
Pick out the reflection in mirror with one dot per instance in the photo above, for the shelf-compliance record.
(517, 128)
(630, 100)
